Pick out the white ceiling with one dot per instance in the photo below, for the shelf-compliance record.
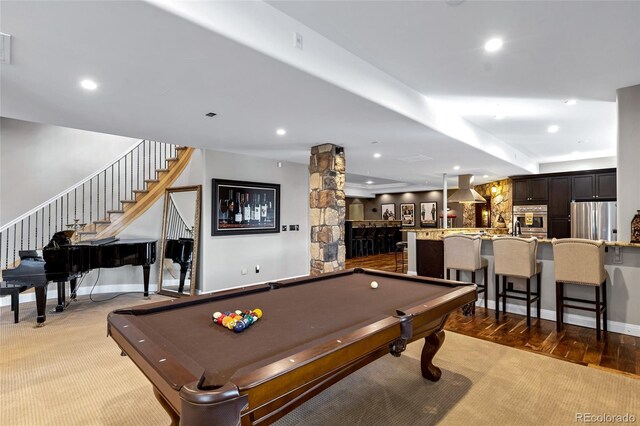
(553, 51)
(159, 74)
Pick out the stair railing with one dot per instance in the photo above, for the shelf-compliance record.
(94, 198)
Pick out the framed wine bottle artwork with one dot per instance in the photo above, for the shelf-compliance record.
(244, 207)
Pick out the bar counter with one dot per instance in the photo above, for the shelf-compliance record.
(622, 262)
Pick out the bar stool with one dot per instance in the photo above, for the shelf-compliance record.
(462, 253)
(400, 247)
(516, 257)
(581, 262)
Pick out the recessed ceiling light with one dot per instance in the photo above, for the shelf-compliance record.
(581, 141)
(485, 176)
(281, 132)
(498, 116)
(211, 114)
(553, 129)
(456, 167)
(88, 84)
(369, 182)
(377, 155)
(493, 45)
(570, 102)
(374, 142)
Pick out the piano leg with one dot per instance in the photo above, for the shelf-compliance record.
(145, 273)
(61, 296)
(183, 276)
(41, 304)
(72, 288)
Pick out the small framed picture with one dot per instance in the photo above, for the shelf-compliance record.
(388, 212)
(429, 214)
(408, 214)
(244, 207)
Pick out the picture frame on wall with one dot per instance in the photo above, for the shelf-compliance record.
(408, 214)
(388, 211)
(240, 207)
(429, 214)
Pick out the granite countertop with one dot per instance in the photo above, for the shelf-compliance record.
(501, 231)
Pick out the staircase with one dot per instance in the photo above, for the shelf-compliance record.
(101, 205)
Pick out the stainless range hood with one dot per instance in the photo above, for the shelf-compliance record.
(465, 192)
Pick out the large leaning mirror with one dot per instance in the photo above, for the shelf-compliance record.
(180, 234)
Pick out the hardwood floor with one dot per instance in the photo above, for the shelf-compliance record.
(618, 352)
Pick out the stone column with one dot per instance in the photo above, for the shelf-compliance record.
(327, 208)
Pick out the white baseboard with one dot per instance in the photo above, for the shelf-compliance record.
(52, 293)
(574, 319)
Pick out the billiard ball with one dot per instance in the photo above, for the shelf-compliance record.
(374, 284)
(258, 312)
(217, 315)
(240, 326)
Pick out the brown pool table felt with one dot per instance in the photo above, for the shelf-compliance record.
(294, 317)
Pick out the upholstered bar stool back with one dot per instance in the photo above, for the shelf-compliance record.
(516, 257)
(462, 253)
(579, 261)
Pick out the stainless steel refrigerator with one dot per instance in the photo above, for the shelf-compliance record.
(593, 220)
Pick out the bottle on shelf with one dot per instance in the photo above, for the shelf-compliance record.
(270, 213)
(263, 208)
(239, 207)
(231, 208)
(246, 212)
(256, 209)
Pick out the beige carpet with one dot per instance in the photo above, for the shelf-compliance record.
(69, 372)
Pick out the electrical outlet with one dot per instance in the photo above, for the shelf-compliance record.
(244, 271)
(284, 228)
(292, 227)
(257, 269)
(617, 255)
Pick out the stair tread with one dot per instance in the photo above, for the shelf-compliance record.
(161, 170)
(152, 180)
(128, 201)
(87, 232)
(115, 211)
(141, 190)
(172, 159)
(102, 221)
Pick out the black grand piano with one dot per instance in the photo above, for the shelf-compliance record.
(64, 261)
(180, 251)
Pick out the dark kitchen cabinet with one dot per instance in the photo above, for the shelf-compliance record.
(559, 208)
(606, 186)
(584, 187)
(592, 187)
(559, 228)
(430, 258)
(530, 191)
(559, 196)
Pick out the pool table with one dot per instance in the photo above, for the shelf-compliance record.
(314, 331)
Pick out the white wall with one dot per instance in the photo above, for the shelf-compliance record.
(38, 161)
(628, 158)
(576, 165)
(281, 255)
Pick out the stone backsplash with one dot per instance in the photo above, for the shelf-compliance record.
(500, 203)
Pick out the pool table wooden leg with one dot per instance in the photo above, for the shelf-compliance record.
(175, 419)
(432, 343)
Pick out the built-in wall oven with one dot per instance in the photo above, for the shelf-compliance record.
(532, 220)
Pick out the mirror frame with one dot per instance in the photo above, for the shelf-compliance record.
(196, 240)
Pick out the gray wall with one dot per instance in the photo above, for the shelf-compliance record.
(628, 158)
(281, 255)
(405, 197)
(39, 161)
